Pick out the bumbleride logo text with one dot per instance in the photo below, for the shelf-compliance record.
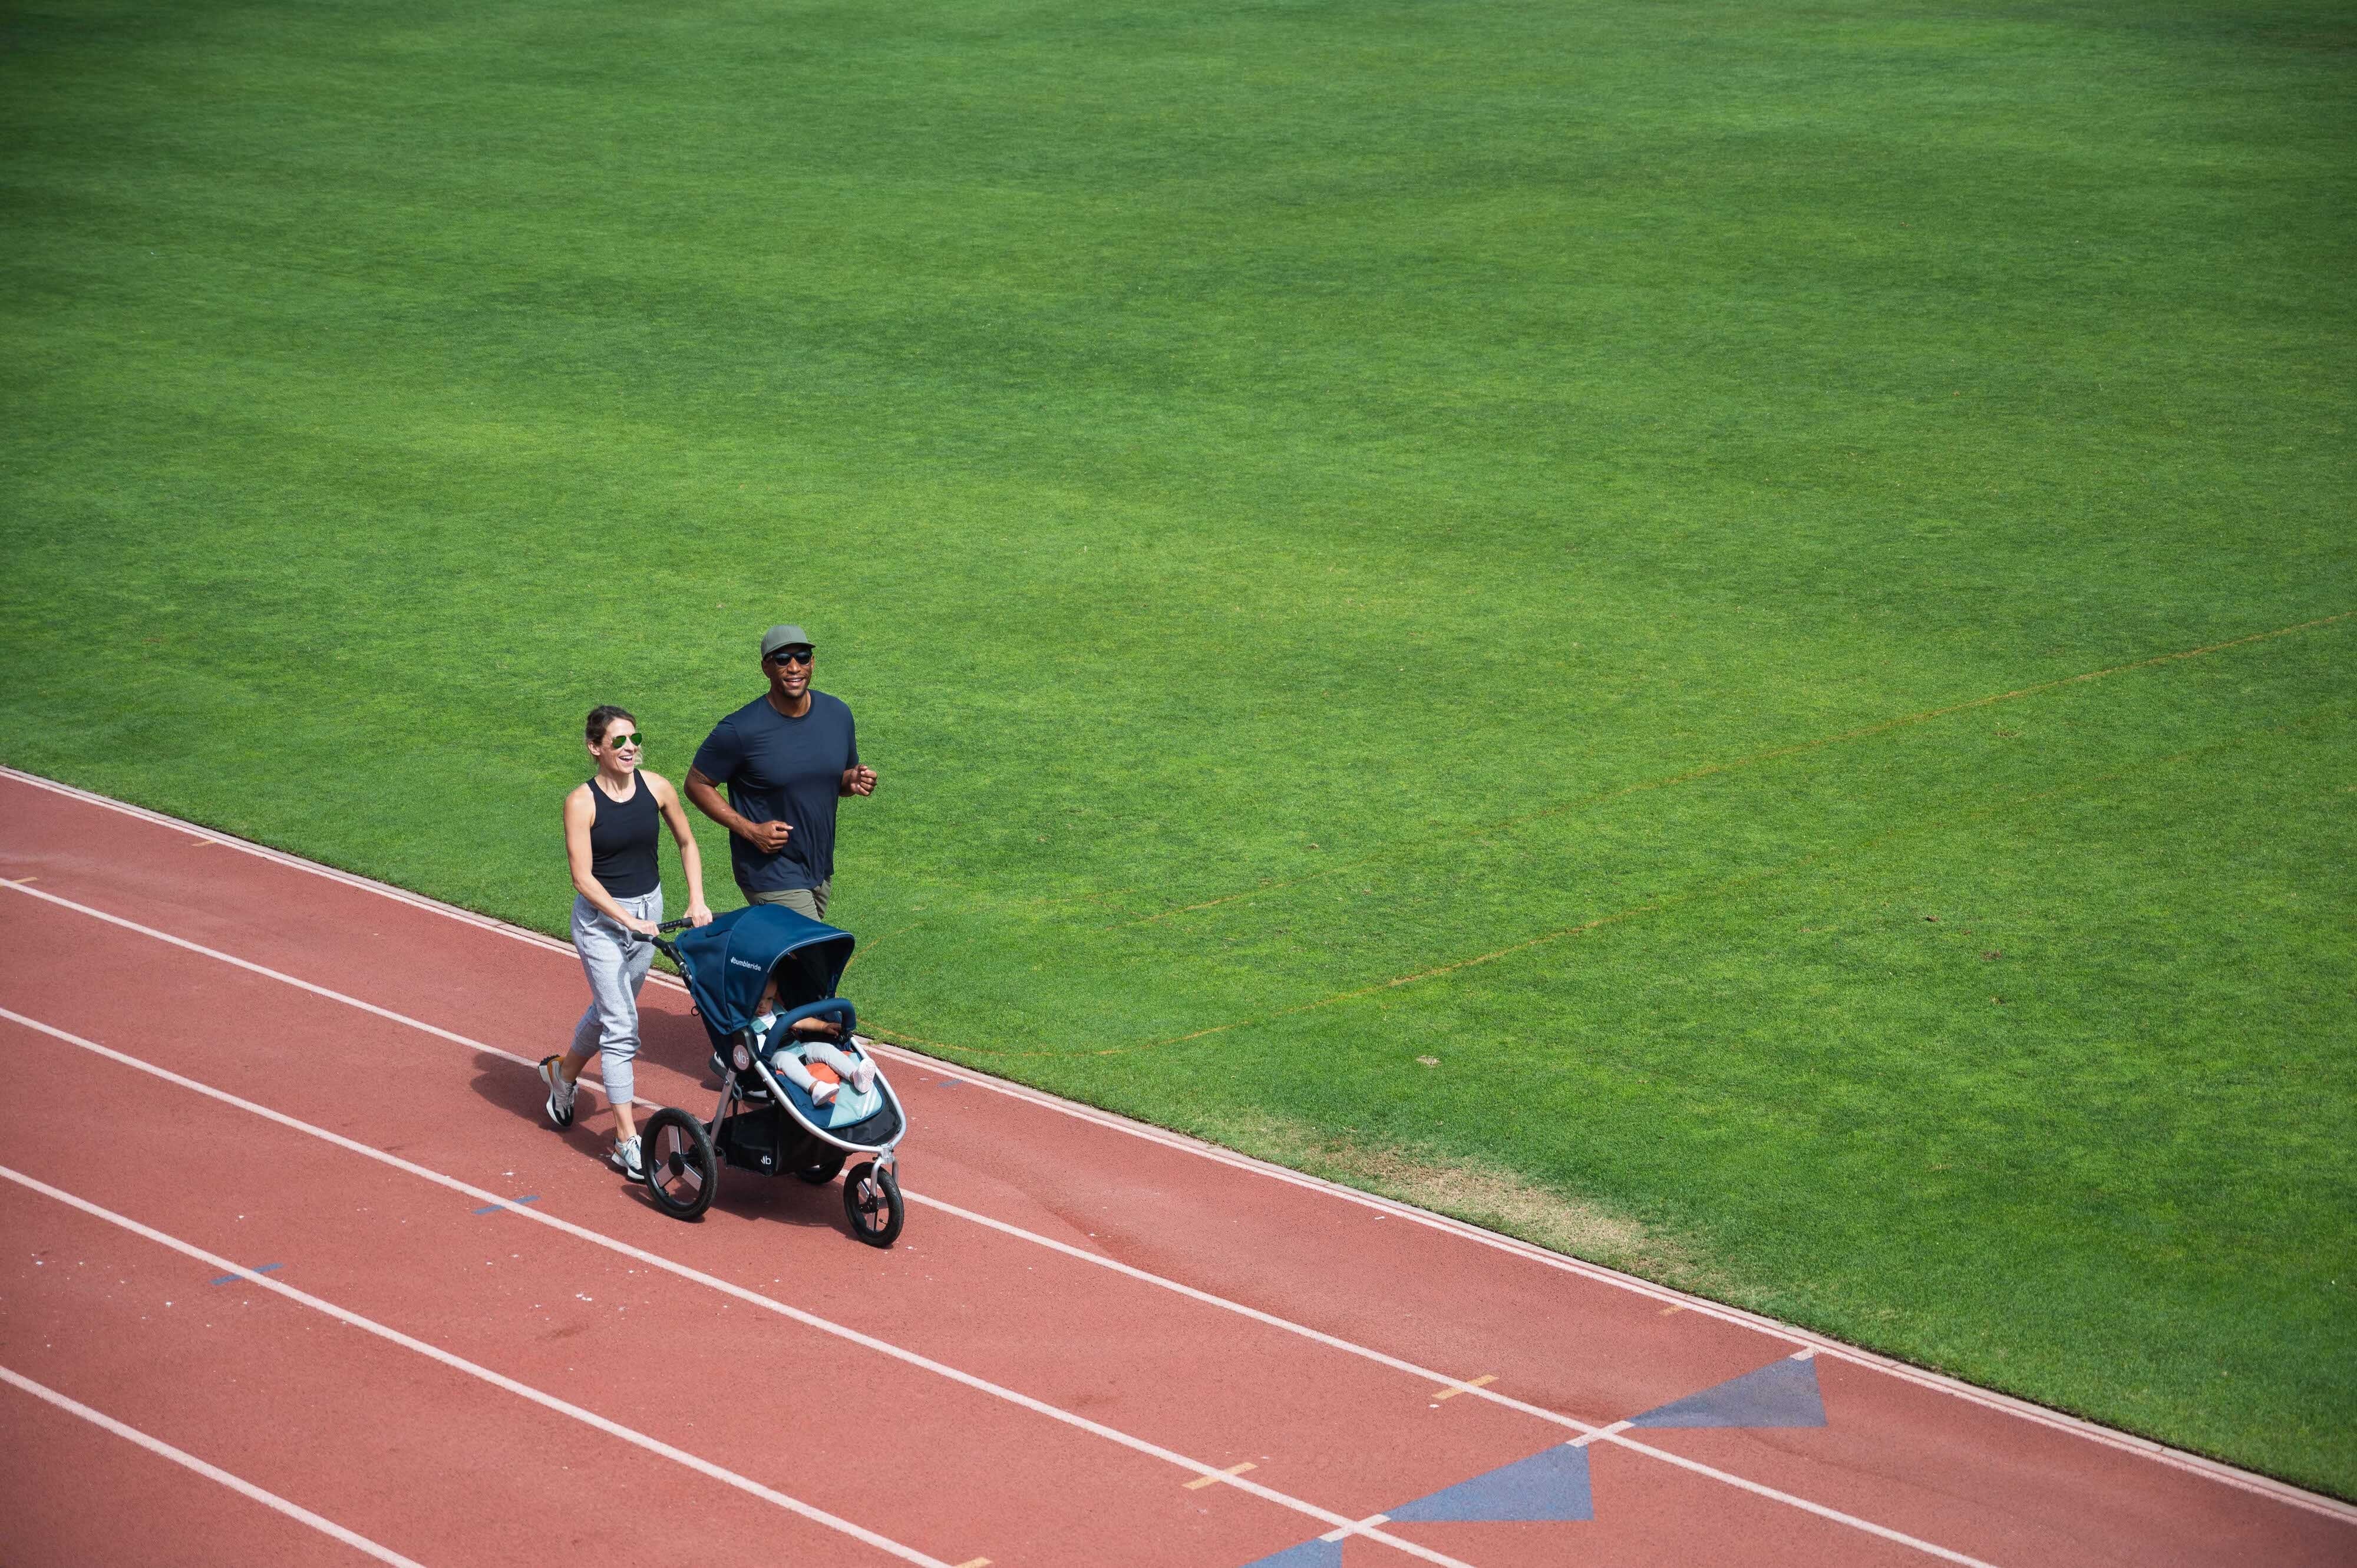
(740, 963)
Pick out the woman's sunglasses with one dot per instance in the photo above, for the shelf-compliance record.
(616, 743)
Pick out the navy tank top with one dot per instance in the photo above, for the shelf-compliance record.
(622, 841)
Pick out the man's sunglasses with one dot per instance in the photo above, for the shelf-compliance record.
(616, 743)
(794, 655)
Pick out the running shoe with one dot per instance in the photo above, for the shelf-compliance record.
(627, 1159)
(560, 1093)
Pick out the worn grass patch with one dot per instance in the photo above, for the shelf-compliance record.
(1479, 1192)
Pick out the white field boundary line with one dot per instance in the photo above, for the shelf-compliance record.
(497, 1380)
(156, 1445)
(1589, 1433)
(292, 862)
(538, 1216)
(1936, 1382)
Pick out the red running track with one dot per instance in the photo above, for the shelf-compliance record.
(295, 1272)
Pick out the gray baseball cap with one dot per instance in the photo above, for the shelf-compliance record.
(779, 637)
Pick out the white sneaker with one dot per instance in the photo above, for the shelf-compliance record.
(823, 1091)
(560, 1093)
(627, 1159)
(862, 1075)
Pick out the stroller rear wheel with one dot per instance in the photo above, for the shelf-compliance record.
(824, 1171)
(871, 1201)
(681, 1174)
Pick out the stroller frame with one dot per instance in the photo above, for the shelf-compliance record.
(757, 1124)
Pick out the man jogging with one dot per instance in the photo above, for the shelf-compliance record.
(786, 758)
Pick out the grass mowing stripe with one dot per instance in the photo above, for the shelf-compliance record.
(1713, 769)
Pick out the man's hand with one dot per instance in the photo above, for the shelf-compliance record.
(860, 780)
(766, 837)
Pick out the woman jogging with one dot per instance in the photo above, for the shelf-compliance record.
(610, 842)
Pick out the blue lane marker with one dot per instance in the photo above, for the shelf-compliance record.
(225, 1279)
(495, 1208)
(1309, 1555)
(1549, 1484)
(1782, 1393)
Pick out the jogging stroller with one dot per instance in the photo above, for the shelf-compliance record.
(765, 1122)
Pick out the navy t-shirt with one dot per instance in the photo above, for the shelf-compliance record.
(778, 769)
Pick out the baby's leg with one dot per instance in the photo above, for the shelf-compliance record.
(848, 1067)
(788, 1064)
(832, 1054)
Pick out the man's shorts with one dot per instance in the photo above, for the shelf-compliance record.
(811, 901)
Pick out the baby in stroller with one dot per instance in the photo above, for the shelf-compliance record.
(814, 1040)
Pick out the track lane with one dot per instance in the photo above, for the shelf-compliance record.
(408, 1452)
(1430, 1451)
(186, 1518)
(1175, 1224)
(746, 1389)
(1309, 1423)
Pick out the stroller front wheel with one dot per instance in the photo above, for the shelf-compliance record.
(681, 1174)
(871, 1201)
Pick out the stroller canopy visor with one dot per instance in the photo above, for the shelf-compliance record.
(729, 961)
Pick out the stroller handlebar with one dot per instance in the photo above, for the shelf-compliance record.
(663, 947)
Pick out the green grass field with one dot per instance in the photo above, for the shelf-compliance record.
(1355, 535)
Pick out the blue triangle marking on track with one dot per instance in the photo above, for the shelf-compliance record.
(1309, 1555)
(1549, 1484)
(1781, 1393)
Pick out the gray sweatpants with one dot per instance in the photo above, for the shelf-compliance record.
(615, 961)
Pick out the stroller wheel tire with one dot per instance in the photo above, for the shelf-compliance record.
(824, 1171)
(871, 1201)
(681, 1174)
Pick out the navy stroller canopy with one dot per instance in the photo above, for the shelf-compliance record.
(728, 962)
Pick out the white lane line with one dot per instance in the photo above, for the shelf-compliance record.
(752, 1297)
(295, 1511)
(1359, 1528)
(1590, 1429)
(292, 862)
(499, 1380)
(1205, 1474)
(1934, 1382)
(284, 978)
(1589, 1432)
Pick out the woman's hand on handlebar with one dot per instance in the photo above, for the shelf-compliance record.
(697, 915)
(643, 927)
